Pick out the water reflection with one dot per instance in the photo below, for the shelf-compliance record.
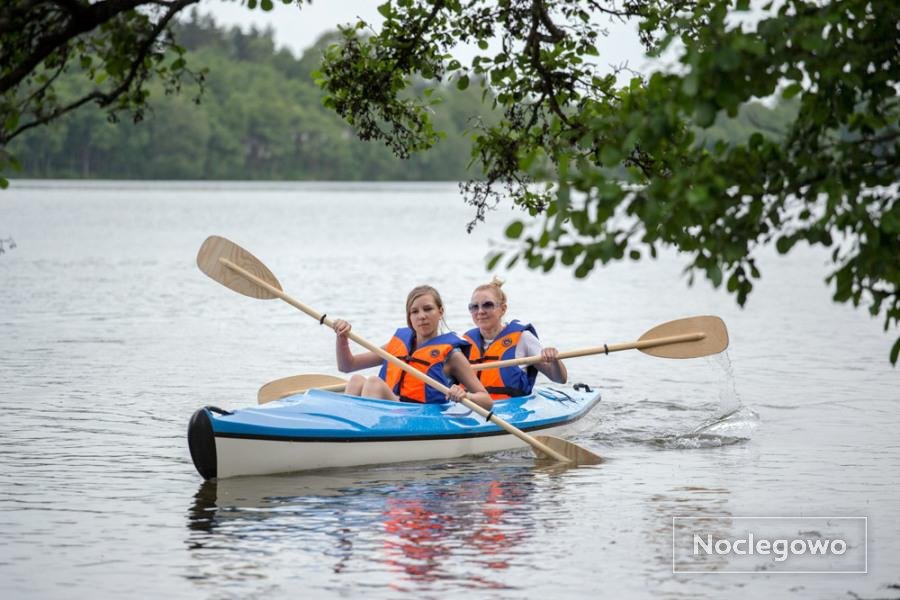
(412, 528)
(695, 502)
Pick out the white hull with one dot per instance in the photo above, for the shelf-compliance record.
(243, 456)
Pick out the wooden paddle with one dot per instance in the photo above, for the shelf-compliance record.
(235, 268)
(691, 337)
(297, 384)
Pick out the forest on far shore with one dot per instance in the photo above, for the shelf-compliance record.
(261, 118)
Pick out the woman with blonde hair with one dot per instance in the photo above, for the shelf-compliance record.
(422, 346)
(494, 340)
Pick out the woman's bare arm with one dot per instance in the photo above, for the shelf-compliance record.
(458, 366)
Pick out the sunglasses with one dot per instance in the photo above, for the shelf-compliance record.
(486, 306)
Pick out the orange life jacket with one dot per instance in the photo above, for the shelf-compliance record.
(428, 358)
(506, 381)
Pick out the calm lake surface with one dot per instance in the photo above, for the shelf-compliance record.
(111, 338)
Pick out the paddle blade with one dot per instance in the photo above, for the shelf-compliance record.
(297, 384)
(714, 340)
(575, 453)
(216, 247)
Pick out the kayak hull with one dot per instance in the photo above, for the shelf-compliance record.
(320, 430)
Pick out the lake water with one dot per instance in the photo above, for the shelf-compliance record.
(111, 338)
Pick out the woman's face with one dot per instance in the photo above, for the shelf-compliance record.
(486, 310)
(425, 316)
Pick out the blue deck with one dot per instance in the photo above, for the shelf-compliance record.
(321, 415)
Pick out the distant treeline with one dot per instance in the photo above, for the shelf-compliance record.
(261, 117)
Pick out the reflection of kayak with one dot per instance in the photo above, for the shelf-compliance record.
(322, 429)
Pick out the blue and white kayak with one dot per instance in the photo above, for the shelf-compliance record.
(320, 429)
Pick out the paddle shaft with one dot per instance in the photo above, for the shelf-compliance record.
(533, 360)
(338, 387)
(323, 320)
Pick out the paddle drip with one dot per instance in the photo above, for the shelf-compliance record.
(729, 400)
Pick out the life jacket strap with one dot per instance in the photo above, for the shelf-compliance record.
(408, 399)
(509, 391)
(409, 359)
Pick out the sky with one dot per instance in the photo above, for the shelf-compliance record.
(298, 28)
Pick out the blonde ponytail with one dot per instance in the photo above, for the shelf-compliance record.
(495, 286)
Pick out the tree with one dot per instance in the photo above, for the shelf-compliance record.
(227, 136)
(608, 172)
(118, 46)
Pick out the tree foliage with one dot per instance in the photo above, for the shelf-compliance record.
(232, 134)
(609, 171)
(115, 46)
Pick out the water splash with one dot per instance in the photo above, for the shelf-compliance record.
(718, 431)
(729, 400)
(733, 423)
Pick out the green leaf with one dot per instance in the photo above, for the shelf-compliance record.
(386, 10)
(514, 230)
(791, 91)
(895, 352)
(785, 243)
(544, 239)
(462, 83)
(715, 275)
(733, 282)
(493, 260)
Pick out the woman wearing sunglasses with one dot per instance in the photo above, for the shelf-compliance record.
(494, 339)
(441, 356)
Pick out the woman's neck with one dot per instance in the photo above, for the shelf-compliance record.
(491, 334)
(420, 339)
